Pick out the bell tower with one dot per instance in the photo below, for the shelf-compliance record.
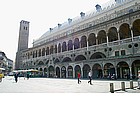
(22, 42)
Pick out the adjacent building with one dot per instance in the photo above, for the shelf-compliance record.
(5, 62)
(105, 40)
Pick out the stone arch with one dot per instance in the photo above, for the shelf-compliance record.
(51, 71)
(76, 43)
(39, 53)
(70, 71)
(92, 39)
(51, 49)
(40, 63)
(86, 69)
(123, 70)
(43, 52)
(97, 55)
(109, 70)
(47, 51)
(77, 69)
(83, 41)
(55, 48)
(124, 31)
(80, 58)
(59, 48)
(66, 59)
(136, 28)
(135, 68)
(41, 72)
(101, 37)
(70, 45)
(112, 34)
(56, 61)
(97, 71)
(63, 72)
(57, 72)
(45, 72)
(64, 46)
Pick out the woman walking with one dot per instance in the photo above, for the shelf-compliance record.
(78, 76)
(90, 77)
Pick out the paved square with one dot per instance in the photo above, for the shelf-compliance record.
(56, 85)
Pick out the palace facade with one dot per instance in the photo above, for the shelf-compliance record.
(106, 40)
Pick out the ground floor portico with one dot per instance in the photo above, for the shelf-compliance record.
(123, 68)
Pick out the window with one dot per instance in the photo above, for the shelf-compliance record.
(122, 52)
(116, 53)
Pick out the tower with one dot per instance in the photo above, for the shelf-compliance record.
(22, 42)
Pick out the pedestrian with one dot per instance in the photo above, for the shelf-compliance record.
(139, 79)
(16, 77)
(28, 75)
(1, 76)
(78, 76)
(90, 77)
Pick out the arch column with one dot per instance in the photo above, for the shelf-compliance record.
(131, 29)
(73, 46)
(57, 49)
(102, 68)
(118, 35)
(107, 39)
(66, 71)
(130, 68)
(96, 39)
(81, 72)
(116, 71)
(87, 45)
(73, 71)
(60, 72)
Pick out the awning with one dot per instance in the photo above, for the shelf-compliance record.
(2, 68)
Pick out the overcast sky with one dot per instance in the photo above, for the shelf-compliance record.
(41, 14)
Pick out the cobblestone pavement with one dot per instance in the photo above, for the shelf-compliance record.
(56, 85)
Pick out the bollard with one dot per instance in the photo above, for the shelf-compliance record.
(123, 86)
(111, 88)
(131, 84)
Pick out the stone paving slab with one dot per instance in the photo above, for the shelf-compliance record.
(56, 85)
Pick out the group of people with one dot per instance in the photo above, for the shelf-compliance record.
(16, 75)
(89, 76)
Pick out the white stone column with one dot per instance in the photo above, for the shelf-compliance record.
(60, 72)
(81, 72)
(131, 33)
(116, 71)
(66, 71)
(87, 45)
(107, 39)
(73, 71)
(130, 68)
(96, 40)
(121, 72)
(118, 35)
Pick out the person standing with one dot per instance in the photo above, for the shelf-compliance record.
(90, 77)
(78, 76)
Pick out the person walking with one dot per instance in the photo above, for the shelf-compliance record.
(1, 76)
(78, 76)
(90, 77)
(16, 77)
